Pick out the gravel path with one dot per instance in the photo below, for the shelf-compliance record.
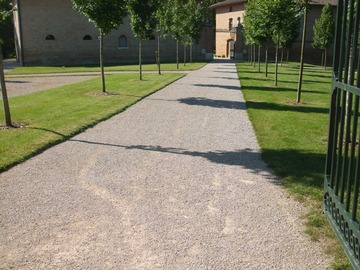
(174, 182)
(17, 86)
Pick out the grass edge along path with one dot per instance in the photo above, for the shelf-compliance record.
(293, 139)
(31, 70)
(55, 115)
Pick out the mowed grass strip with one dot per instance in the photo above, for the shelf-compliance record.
(55, 115)
(293, 137)
(121, 68)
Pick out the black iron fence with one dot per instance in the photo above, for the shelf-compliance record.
(342, 176)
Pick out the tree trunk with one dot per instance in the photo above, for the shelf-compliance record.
(184, 55)
(322, 59)
(158, 54)
(177, 54)
(298, 99)
(191, 52)
(259, 53)
(250, 54)
(287, 55)
(282, 56)
(140, 59)
(254, 53)
(102, 61)
(4, 93)
(266, 61)
(276, 63)
(325, 56)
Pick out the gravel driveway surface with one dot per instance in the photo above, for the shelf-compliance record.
(174, 182)
(17, 86)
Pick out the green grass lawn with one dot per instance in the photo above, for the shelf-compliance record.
(54, 115)
(293, 137)
(146, 67)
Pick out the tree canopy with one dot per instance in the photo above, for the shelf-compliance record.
(257, 26)
(324, 28)
(6, 28)
(106, 15)
(143, 18)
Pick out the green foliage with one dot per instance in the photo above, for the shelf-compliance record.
(105, 14)
(289, 34)
(143, 19)
(180, 25)
(6, 9)
(324, 28)
(188, 19)
(257, 26)
(6, 28)
(271, 19)
(284, 15)
(164, 17)
(198, 13)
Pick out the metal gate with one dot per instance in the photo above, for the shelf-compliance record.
(342, 176)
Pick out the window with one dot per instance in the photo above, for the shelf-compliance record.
(50, 37)
(123, 42)
(230, 9)
(230, 24)
(87, 37)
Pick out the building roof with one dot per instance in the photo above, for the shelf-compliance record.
(228, 2)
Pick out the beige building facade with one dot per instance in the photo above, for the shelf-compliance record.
(52, 33)
(230, 41)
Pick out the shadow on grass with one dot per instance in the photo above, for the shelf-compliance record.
(277, 107)
(223, 104)
(269, 88)
(302, 168)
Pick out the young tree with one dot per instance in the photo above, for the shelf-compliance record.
(164, 20)
(180, 28)
(106, 15)
(282, 14)
(5, 12)
(257, 26)
(306, 7)
(143, 22)
(198, 13)
(324, 28)
(289, 35)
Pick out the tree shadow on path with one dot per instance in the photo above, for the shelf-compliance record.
(229, 87)
(223, 104)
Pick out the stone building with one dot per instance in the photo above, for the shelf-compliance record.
(52, 33)
(230, 41)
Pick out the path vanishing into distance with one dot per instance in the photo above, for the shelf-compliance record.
(174, 182)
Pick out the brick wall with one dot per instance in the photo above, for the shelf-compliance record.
(42, 18)
(223, 31)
